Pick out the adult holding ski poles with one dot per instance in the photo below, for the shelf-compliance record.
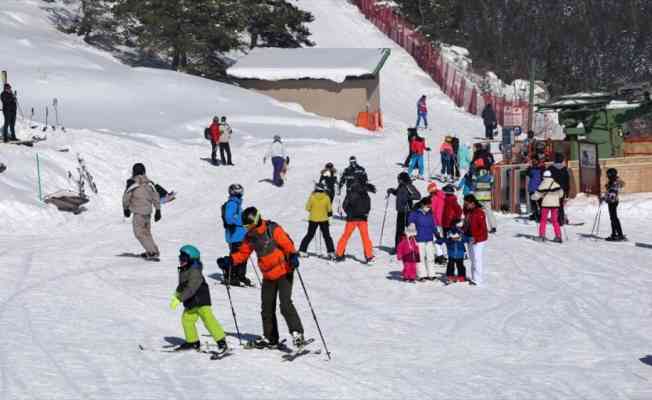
(234, 234)
(9, 108)
(406, 194)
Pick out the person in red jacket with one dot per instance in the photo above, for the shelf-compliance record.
(476, 229)
(215, 139)
(452, 209)
(417, 148)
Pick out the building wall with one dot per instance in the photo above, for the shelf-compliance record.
(324, 97)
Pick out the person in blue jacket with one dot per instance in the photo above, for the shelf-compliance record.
(466, 183)
(456, 246)
(234, 234)
(426, 228)
(535, 176)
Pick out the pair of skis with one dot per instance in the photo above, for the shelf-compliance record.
(205, 349)
(85, 177)
(55, 107)
(290, 354)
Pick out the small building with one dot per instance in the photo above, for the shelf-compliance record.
(336, 83)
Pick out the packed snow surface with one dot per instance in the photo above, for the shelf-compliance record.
(554, 321)
(335, 64)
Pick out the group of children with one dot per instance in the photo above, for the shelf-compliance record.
(454, 156)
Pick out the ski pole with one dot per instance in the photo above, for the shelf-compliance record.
(47, 112)
(319, 241)
(38, 173)
(228, 293)
(314, 316)
(253, 266)
(382, 228)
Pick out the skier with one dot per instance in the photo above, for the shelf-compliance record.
(447, 159)
(535, 176)
(561, 175)
(464, 157)
(490, 121)
(476, 229)
(279, 158)
(422, 219)
(437, 203)
(422, 112)
(234, 234)
(139, 198)
(225, 138)
(417, 148)
(411, 134)
(407, 251)
(455, 144)
(193, 292)
(328, 179)
(277, 259)
(405, 194)
(9, 107)
(320, 208)
(354, 172)
(357, 205)
(483, 192)
(452, 210)
(614, 186)
(467, 183)
(215, 139)
(550, 194)
(456, 248)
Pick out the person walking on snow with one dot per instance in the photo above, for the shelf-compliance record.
(225, 139)
(550, 194)
(422, 112)
(214, 129)
(405, 194)
(614, 186)
(467, 183)
(277, 260)
(422, 219)
(561, 175)
(279, 158)
(320, 210)
(9, 107)
(476, 229)
(195, 295)
(234, 234)
(417, 147)
(456, 249)
(407, 251)
(328, 179)
(139, 199)
(535, 176)
(357, 206)
(490, 121)
(353, 173)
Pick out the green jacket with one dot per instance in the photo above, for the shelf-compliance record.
(193, 289)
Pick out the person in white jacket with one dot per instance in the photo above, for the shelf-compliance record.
(279, 158)
(225, 138)
(550, 194)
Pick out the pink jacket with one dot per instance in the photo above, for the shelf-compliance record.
(437, 204)
(408, 252)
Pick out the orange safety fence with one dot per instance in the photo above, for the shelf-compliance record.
(372, 121)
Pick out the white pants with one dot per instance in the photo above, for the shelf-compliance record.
(489, 214)
(426, 265)
(476, 252)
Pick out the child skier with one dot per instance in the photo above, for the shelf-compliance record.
(417, 148)
(193, 292)
(456, 246)
(422, 218)
(408, 252)
(447, 159)
(320, 208)
(452, 209)
(614, 186)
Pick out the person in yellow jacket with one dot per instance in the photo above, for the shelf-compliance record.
(320, 210)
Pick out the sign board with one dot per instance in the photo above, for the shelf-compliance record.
(4, 77)
(515, 116)
(640, 128)
(589, 168)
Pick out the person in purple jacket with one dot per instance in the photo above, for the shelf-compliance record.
(422, 218)
(422, 112)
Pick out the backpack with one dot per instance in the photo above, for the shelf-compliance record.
(229, 227)
(207, 133)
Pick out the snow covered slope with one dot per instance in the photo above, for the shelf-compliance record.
(553, 322)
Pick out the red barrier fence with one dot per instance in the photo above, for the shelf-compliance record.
(452, 81)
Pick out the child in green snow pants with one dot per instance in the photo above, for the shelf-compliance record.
(189, 319)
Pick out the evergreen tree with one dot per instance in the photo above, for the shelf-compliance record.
(276, 23)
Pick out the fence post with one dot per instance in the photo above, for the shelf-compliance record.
(38, 174)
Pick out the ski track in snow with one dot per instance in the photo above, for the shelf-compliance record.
(554, 321)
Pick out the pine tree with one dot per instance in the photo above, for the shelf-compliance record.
(276, 23)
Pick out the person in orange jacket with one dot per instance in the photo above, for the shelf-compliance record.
(215, 138)
(277, 260)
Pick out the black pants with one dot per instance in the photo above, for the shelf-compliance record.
(10, 125)
(455, 262)
(281, 288)
(214, 152)
(562, 212)
(238, 273)
(225, 149)
(489, 131)
(312, 229)
(535, 205)
(401, 223)
(616, 229)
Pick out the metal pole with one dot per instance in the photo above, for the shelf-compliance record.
(253, 266)
(314, 316)
(382, 229)
(38, 173)
(228, 293)
(530, 119)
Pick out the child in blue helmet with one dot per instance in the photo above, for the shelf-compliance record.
(193, 292)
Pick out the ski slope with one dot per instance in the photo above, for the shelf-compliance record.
(553, 322)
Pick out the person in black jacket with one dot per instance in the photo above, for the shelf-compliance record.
(405, 194)
(455, 143)
(490, 121)
(9, 107)
(357, 206)
(561, 175)
(328, 178)
(354, 172)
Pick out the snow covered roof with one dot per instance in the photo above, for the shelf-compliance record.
(335, 64)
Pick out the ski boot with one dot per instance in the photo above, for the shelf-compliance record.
(339, 258)
(222, 347)
(370, 260)
(493, 230)
(303, 254)
(557, 240)
(297, 340)
(188, 346)
(263, 343)
(331, 256)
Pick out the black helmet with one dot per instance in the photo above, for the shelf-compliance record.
(251, 218)
(404, 177)
(138, 169)
(236, 189)
(612, 173)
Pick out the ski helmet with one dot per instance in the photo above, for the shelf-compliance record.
(236, 189)
(612, 173)
(189, 253)
(138, 169)
(251, 217)
(353, 160)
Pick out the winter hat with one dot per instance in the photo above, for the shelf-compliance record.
(432, 187)
(138, 169)
(404, 177)
(449, 189)
(329, 165)
(7, 86)
(216, 119)
(223, 119)
(277, 138)
(411, 230)
(547, 174)
(352, 159)
(612, 173)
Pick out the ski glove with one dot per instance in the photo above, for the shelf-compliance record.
(294, 261)
(224, 262)
(391, 191)
(174, 302)
(157, 216)
(127, 213)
